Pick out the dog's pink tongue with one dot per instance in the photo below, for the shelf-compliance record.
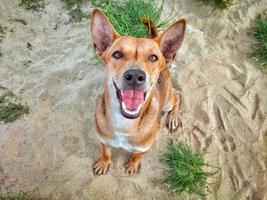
(132, 99)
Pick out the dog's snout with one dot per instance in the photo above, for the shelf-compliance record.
(134, 77)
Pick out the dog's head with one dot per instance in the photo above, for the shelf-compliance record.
(133, 64)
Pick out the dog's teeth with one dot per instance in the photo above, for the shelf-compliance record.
(124, 107)
(131, 112)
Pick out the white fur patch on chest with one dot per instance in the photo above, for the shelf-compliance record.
(121, 141)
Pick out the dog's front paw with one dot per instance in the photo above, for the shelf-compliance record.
(132, 167)
(102, 167)
(173, 120)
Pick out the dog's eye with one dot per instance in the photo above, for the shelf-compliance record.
(153, 58)
(117, 55)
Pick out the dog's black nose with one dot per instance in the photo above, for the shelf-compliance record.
(134, 77)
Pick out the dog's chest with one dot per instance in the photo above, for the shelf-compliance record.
(118, 126)
(118, 122)
(121, 140)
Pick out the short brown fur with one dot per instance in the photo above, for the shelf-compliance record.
(139, 134)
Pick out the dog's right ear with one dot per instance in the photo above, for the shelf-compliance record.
(103, 33)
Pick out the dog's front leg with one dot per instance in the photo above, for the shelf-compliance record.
(102, 166)
(134, 163)
(173, 120)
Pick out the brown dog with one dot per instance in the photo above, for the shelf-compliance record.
(137, 88)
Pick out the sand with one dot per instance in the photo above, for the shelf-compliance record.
(51, 151)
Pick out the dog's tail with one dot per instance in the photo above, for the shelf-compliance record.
(152, 27)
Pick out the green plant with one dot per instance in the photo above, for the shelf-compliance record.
(10, 110)
(73, 3)
(74, 6)
(22, 21)
(77, 14)
(2, 32)
(126, 16)
(186, 171)
(18, 196)
(260, 34)
(222, 4)
(35, 5)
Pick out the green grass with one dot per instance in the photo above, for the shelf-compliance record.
(74, 7)
(2, 33)
(18, 196)
(77, 14)
(260, 34)
(10, 110)
(186, 171)
(34, 5)
(126, 16)
(22, 21)
(222, 4)
(73, 3)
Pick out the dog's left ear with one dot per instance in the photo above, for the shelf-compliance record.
(103, 33)
(171, 39)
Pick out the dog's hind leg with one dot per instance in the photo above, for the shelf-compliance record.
(102, 166)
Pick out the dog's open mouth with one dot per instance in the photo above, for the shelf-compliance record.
(131, 102)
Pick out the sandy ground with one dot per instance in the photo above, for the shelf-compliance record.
(51, 150)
